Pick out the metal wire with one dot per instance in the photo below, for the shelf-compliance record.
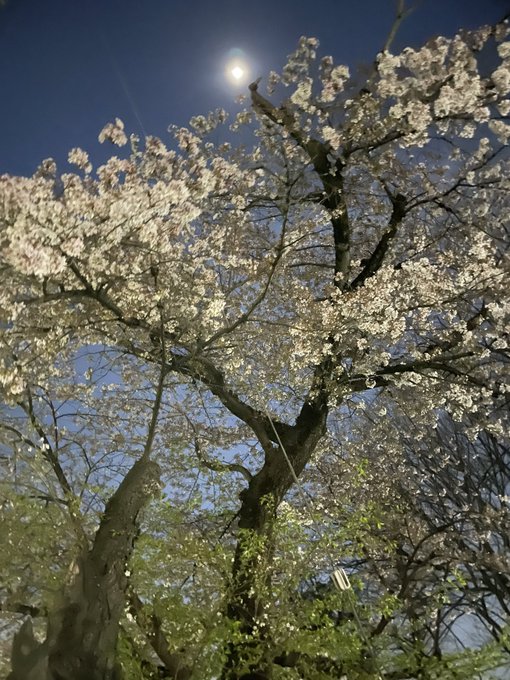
(348, 589)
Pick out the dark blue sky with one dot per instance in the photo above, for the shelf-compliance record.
(69, 66)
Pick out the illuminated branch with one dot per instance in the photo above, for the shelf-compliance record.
(375, 260)
(329, 173)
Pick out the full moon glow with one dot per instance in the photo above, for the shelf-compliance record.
(237, 72)
(236, 67)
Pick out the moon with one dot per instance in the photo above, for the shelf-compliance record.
(237, 70)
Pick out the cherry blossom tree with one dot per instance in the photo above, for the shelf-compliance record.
(209, 350)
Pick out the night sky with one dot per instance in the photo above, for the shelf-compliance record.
(69, 66)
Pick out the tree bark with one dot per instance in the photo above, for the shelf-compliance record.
(82, 632)
(29, 658)
(251, 657)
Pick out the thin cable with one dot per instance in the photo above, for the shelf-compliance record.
(350, 592)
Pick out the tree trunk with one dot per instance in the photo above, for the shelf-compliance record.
(251, 657)
(29, 658)
(82, 633)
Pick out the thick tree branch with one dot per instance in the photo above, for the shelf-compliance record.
(376, 259)
(358, 383)
(330, 175)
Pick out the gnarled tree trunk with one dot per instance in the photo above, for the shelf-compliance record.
(251, 658)
(82, 632)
